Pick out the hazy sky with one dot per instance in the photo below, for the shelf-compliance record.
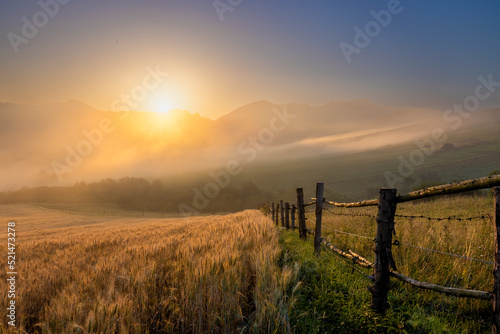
(427, 54)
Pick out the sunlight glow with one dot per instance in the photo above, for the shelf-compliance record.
(162, 106)
(165, 100)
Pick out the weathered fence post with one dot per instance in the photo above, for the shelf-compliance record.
(287, 215)
(496, 269)
(301, 213)
(272, 210)
(320, 187)
(383, 249)
(282, 207)
(293, 216)
(277, 215)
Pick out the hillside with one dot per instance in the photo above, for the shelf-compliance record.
(356, 176)
(64, 143)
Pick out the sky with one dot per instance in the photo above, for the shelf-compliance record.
(211, 57)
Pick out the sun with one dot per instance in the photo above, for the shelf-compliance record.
(162, 106)
(164, 101)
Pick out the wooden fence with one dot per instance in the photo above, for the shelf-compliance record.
(384, 266)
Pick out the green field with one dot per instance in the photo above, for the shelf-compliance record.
(334, 298)
(358, 176)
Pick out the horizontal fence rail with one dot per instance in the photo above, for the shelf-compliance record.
(359, 260)
(453, 188)
(446, 189)
(384, 266)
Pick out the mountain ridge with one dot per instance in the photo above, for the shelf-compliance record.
(150, 144)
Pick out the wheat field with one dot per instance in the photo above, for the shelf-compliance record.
(89, 274)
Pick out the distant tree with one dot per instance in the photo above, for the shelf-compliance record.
(495, 172)
(447, 147)
(265, 208)
(426, 180)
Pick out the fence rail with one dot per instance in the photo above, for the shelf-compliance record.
(384, 266)
(359, 260)
(446, 189)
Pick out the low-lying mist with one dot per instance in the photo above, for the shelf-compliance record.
(61, 144)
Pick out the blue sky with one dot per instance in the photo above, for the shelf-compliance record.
(429, 55)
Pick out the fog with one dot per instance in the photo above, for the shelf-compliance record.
(65, 143)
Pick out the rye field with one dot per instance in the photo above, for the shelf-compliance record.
(238, 273)
(90, 274)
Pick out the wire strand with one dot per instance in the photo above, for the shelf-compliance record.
(343, 232)
(483, 217)
(350, 214)
(397, 243)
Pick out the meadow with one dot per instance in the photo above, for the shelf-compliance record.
(335, 299)
(111, 274)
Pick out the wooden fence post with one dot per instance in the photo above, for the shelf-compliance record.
(320, 187)
(287, 215)
(272, 210)
(277, 215)
(301, 213)
(282, 209)
(383, 249)
(496, 269)
(293, 216)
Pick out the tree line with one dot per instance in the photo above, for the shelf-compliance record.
(131, 193)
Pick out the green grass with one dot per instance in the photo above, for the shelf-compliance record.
(333, 298)
(359, 175)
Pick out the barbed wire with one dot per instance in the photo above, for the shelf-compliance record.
(397, 243)
(343, 232)
(450, 218)
(350, 214)
(364, 275)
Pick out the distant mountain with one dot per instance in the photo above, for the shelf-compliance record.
(334, 118)
(72, 141)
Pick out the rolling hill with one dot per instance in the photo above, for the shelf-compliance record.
(279, 146)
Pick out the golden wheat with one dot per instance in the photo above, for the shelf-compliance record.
(87, 274)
